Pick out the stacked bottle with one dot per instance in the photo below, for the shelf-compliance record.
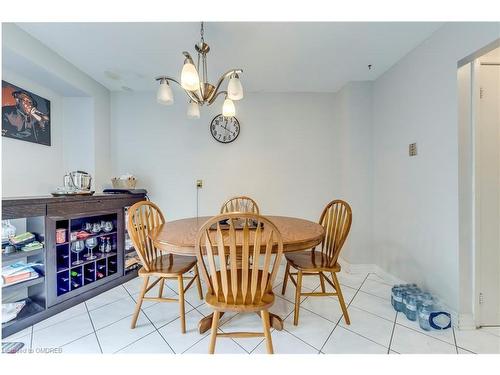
(408, 299)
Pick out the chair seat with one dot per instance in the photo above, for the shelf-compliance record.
(312, 261)
(169, 265)
(241, 304)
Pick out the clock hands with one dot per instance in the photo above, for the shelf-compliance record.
(225, 127)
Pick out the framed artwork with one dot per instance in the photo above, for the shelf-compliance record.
(25, 116)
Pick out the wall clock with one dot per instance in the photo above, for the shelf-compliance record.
(225, 129)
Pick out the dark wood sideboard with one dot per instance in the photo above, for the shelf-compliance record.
(66, 278)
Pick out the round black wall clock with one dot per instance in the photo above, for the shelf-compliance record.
(225, 129)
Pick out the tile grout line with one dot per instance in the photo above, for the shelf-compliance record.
(392, 333)
(31, 338)
(454, 339)
(93, 327)
(139, 339)
(347, 308)
(155, 328)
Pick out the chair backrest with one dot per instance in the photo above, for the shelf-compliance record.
(240, 204)
(251, 267)
(336, 219)
(143, 217)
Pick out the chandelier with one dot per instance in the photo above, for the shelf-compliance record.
(199, 91)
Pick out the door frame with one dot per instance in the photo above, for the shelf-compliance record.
(469, 223)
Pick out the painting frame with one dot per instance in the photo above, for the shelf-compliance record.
(26, 116)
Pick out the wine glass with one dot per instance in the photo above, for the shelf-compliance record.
(91, 243)
(77, 248)
(96, 228)
(108, 226)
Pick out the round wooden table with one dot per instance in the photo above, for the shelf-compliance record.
(179, 237)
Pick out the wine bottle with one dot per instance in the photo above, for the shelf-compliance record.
(89, 279)
(101, 266)
(74, 284)
(75, 274)
(62, 290)
(64, 279)
(99, 275)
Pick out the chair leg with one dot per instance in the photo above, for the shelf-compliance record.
(285, 280)
(267, 331)
(139, 302)
(181, 304)
(322, 282)
(213, 334)
(297, 298)
(198, 282)
(341, 298)
(160, 291)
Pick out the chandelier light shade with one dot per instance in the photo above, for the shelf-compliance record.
(190, 80)
(234, 88)
(165, 95)
(228, 109)
(194, 82)
(193, 111)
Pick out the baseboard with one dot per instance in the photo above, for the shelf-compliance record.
(466, 322)
(370, 268)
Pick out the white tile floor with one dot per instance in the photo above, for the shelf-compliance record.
(102, 325)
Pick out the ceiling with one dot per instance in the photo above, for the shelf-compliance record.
(274, 56)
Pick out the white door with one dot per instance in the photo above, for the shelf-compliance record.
(489, 189)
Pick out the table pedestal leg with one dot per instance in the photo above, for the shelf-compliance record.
(206, 323)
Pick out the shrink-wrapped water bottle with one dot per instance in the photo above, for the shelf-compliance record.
(411, 306)
(424, 315)
(398, 299)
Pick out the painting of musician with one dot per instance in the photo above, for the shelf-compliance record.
(25, 116)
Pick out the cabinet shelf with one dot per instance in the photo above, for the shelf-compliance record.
(99, 257)
(97, 235)
(31, 308)
(23, 284)
(19, 254)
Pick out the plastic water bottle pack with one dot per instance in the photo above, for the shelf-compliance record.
(408, 299)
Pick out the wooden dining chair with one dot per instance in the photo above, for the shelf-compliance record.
(143, 217)
(240, 204)
(241, 285)
(336, 219)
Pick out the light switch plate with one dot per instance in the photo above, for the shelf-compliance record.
(412, 149)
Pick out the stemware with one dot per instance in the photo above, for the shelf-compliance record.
(96, 228)
(91, 243)
(108, 226)
(77, 247)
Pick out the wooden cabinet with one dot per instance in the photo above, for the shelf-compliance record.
(69, 273)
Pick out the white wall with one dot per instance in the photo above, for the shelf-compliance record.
(294, 154)
(30, 168)
(415, 211)
(31, 62)
(78, 130)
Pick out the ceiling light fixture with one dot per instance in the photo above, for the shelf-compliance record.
(199, 91)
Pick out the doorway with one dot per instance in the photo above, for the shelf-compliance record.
(479, 149)
(488, 187)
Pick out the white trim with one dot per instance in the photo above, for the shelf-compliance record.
(466, 322)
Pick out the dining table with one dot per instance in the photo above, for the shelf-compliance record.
(179, 237)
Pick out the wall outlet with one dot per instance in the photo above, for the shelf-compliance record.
(199, 184)
(412, 149)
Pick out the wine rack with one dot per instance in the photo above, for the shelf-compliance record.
(88, 254)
